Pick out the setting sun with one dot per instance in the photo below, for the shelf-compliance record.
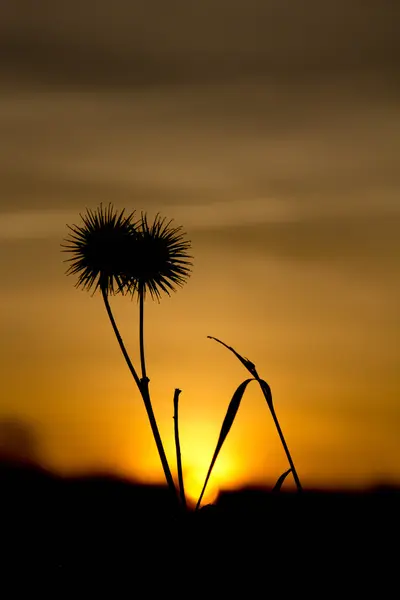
(224, 474)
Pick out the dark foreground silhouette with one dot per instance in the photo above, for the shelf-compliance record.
(96, 527)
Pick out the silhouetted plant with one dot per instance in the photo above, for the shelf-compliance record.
(231, 414)
(114, 254)
(160, 261)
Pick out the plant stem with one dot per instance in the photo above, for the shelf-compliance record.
(156, 434)
(119, 338)
(268, 397)
(178, 449)
(295, 476)
(143, 385)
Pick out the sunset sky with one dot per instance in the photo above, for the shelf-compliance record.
(268, 129)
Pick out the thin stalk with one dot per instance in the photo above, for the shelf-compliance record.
(119, 338)
(143, 385)
(282, 438)
(268, 398)
(153, 423)
(178, 449)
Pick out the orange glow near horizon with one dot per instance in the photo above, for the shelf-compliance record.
(197, 458)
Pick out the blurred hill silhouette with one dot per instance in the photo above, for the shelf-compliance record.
(107, 522)
(97, 526)
(18, 442)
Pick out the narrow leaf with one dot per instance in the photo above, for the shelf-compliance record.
(245, 361)
(266, 390)
(226, 426)
(280, 481)
(231, 412)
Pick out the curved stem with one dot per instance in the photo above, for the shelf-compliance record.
(119, 338)
(268, 397)
(291, 463)
(143, 385)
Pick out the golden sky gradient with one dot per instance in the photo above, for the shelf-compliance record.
(280, 158)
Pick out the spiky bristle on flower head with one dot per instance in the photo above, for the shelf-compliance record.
(160, 261)
(100, 248)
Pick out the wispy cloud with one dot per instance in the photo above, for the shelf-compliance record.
(34, 224)
(256, 152)
(41, 224)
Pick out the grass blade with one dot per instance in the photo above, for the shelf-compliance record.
(226, 425)
(245, 361)
(178, 449)
(280, 481)
(266, 390)
(268, 397)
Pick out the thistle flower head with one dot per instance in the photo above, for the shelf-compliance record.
(113, 253)
(159, 261)
(100, 249)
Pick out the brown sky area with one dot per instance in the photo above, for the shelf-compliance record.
(269, 130)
